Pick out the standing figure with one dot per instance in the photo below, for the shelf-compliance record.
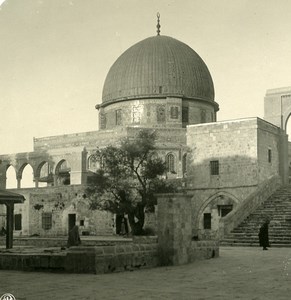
(74, 237)
(264, 235)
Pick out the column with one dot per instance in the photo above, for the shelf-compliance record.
(9, 224)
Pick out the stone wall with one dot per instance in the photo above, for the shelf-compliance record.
(269, 144)
(233, 144)
(175, 239)
(248, 152)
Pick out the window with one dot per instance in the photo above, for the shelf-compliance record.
(161, 114)
(207, 221)
(47, 221)
(223, 210)
(214, 167)
(174, 112)
(118, 118)
(185, 114)
(102, 121)
(184, 164)
(160, 89)
(203, 116)
(269, 155)
(170, 161)
(17, 222)
(135, 114)
(82, 222)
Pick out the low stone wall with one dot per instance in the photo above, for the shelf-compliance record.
(40, 242)
(33, 261)
(100, 259)
(235, 217)
(107, 259)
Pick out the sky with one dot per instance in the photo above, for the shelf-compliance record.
(55, 55)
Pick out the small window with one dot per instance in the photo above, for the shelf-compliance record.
(203, 116)
(161, 114)
(207, 221)
(185, 114)
(136, 114)
(269, 155)
(102, 121)
(160, 89)
(47, 221)
(81, 222)
(170, 161)
(214, 167)
(184, 164)
(17, 222)
(118, 120)
(174, 112)
(223, 210)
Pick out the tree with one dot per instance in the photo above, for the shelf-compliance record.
(129, 177)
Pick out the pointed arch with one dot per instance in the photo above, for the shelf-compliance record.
(44, 174)
(62, 173)
(26, 174)
(11, 179)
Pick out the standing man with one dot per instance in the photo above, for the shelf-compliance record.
(264, 235)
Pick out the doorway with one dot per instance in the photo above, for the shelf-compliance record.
(71, 221)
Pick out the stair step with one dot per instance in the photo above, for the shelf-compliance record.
(278, 209)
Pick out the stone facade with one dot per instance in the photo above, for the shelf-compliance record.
(227, 162)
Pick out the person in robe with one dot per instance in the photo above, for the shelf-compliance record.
(74, 237)
(264, 235)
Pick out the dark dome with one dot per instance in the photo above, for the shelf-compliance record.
(158, 66)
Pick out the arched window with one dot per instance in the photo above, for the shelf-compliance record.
(170, 161)
(95, 162)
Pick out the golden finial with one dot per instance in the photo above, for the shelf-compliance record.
(158, 25)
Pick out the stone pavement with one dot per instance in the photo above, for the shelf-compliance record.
(239, 273)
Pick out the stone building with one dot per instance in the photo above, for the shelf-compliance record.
(158, 83)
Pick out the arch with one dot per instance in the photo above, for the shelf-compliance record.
(26, 175)
(220, 197)
(94, 162)
(171, 163)
(11, 179)
(44, 175)
(62, 173)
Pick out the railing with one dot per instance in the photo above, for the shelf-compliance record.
(249, 205)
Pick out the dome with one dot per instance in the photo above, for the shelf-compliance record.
(158, 66)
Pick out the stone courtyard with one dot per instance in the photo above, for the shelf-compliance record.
(246, 273)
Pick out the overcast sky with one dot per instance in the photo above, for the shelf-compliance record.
(55, 55)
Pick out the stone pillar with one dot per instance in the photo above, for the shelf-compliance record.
(283, 157)
(36, 181)
(2, 175)
(19, 182)
(9, 225)
(174, 228)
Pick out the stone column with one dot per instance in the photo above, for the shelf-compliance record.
(19, 182)
(36, 181)
(9, 225)
(174, 228)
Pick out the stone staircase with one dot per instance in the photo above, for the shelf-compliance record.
(278, 209)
